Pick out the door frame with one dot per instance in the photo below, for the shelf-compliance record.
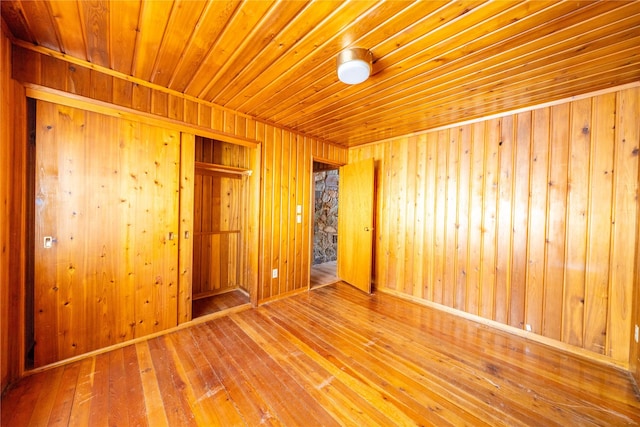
(20, 199)
(311, 206)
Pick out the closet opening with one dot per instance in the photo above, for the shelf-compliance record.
(220, 217)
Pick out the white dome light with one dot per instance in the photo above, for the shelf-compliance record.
(354, 65)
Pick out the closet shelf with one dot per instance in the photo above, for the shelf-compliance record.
(211, 167)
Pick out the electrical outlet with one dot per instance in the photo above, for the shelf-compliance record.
(637, 334)
(527, 327)
(274, 273)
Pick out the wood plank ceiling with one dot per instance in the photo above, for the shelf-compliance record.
(435, 63)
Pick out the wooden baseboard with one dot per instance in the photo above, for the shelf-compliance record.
(196, 321)
(511, 330)
(284, 295)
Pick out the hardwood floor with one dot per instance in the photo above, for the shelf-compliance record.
(216, 303)
(332, 356)
(323, 274)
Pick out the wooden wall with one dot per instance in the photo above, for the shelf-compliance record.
(287, 181)
(107, 189)
(5, 194)
(529, 219)
(635, 345)
(12, 213)
(284, 156)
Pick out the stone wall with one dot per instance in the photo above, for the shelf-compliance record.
(325, 226)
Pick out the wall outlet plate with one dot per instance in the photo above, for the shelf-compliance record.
(637, 334)
(274, 273)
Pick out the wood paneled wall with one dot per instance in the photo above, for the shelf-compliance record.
(280, 243)
(5, 195)
(287, 180)
(12, 215)
(107, 189)
(634, 357)
(529, 220)
(286, 155)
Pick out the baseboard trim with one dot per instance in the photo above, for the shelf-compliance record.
(576, 351)
(193, 322)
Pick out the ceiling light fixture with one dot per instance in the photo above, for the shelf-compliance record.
(354, 65)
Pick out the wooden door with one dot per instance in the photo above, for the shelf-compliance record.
(355, 224)
(106, 223)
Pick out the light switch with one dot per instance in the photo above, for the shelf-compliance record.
(48, 242)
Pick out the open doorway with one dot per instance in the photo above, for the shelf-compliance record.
(220, 211)
(325, 224)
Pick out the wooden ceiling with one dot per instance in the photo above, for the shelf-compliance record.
(435, 63)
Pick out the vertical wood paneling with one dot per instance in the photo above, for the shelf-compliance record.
(462, 220)
(529, 219)
(32, 67)
(101, 285)
(186, 227)
(383, 220)
(6, 146)
(626, 200)
(539, 166)
(635, 314)
(13, 172)
(277, 229)
(490, 196)
(556, 222)
(285, 155)
(285, 239)
(474, 267)
(451, 217)
(396, 241)
(420, 216)
(101, 87)
(26, 65)
(141, 98)
(519, 235)
(577, 215)
(92, 203)
(269, 194)
(305, 192)
(440, 219)
(79, 80)
(599, 223)
(160, 103)
(302, 181)
(123, 93)
(292, 199)
(54, 73)
(406, 278)
(503, 218)
(253, 251)
(279, 240)
(429, 234)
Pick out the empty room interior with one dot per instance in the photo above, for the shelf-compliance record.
(319, 212)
